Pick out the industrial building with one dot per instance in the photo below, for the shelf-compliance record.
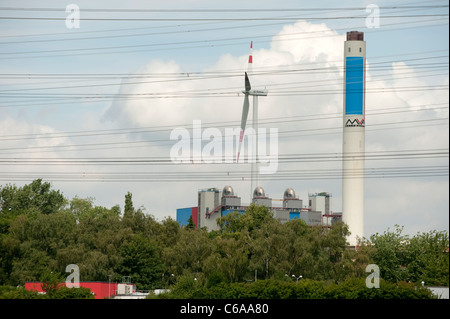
(99, 289)
(214, 203)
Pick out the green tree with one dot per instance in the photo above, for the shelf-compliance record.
(254, 217)
(51, 281)
(404, 258)
(29, 265)
(230, 258)
(297, 231)
(389, 254)
(37, 195)
(190, 224)
(269, 248)
(80, 207)
(35, 198)
(189, 253)
(27, 223)
(427, 258)
(129, 208)
(166, 233)
(135, 218)
(32, 244)
(334, 241)
(99, 235)
(141, 260)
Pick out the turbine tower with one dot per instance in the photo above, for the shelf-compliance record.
(255, 93)
(354, 135)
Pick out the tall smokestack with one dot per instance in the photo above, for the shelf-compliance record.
(353, 136)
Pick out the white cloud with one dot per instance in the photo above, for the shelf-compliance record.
(16, 135)
(148, 108)
(311, 43)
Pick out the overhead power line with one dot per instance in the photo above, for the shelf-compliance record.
(221, 10)
(76, 51)
(258, 71)
(227, 175)
(226, 19)
(165, 142)
(284, 158)
(223, 124)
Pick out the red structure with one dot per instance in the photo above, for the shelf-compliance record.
(195, 216)
(100, 289)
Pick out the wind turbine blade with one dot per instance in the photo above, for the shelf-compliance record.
(248, 87)
(243, 123)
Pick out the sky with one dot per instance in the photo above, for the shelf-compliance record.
(91, 104)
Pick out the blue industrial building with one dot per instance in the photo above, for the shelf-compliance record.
(213, 203)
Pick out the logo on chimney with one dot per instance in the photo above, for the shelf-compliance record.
(355, 123)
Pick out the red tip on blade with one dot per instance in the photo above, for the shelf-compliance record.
(241, 137)
(250, 57)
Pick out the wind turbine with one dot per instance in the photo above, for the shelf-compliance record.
(255, 93)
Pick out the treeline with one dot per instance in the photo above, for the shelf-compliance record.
(42, 231)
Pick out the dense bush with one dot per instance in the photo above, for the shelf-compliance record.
(305, 289)
(71, 293)
(7, 292)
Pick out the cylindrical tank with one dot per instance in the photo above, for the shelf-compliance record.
(289, 193)
(227, 191)
(259, 192)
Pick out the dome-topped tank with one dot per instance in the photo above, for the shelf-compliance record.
(289, 193)
(228, 191)
(259, 192)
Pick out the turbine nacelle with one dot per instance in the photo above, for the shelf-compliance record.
(248, 88)
(256, 92)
